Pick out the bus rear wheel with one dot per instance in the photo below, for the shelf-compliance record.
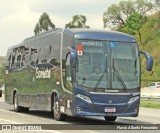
(110, 118)
(19, 108)
(16, 107)
(56, 111)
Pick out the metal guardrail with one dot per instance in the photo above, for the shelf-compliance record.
(150, 94)
(149, 98)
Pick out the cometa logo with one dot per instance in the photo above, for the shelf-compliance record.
(106, 90)
(43, 73)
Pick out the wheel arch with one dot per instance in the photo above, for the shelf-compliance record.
(14, 92)
(54, 93)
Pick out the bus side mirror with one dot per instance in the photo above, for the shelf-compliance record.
(149, 60)
(73, 57)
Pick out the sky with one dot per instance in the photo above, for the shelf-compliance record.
(19, 17)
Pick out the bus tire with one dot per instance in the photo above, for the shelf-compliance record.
(0, 93)
(25, 109)
(19, 108)
(16, 107)
(113, 118)
(56, 110)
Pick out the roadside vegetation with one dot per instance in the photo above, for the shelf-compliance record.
(151, 44)
(133, 17)
(150, 104)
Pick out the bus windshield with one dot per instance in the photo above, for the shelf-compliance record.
(101, 65)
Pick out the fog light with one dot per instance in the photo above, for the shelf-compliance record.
(79, 109)
(136, 110)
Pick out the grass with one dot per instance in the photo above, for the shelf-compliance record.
(150, 104)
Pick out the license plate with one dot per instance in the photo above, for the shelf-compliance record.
(110, 109)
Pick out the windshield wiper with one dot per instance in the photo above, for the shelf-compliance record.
(83, 81)
(119, 77)
(104, 72)
(100, 78)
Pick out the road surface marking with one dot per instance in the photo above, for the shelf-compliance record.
(15, 112)
(10, 122)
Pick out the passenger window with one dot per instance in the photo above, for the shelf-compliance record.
(68, 68)
(68, 77)
(34, 56)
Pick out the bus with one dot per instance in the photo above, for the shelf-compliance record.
(76, 72)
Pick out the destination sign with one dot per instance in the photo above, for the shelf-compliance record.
(92, 43)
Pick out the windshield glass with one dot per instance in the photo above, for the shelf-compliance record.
(98, 60)
(125, 60)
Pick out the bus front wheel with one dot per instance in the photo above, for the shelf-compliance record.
(110, 118)
(56, 110)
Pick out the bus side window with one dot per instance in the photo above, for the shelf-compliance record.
(34, 55)
(68, 68)
(8, 64)
(68, 77)
(13, 59)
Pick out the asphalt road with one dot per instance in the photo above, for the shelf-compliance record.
(9, 116)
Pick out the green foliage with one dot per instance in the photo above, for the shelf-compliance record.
(151, 44)
(78, 21)
(152, 23)
(135, 22)
(44, 24)
(117, 14)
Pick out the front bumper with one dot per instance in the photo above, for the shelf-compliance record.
(100, 102)
(83, 108)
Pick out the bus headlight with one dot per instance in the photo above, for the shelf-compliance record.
(83, 97)
(133, 99)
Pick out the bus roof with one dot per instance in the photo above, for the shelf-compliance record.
(86, 34)
(100, 35)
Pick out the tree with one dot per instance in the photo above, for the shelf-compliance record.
(157, 5)
(117, 14)
(44, 24)
(135, 22)
(78, 21)
(143, 6)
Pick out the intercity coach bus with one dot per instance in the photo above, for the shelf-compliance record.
(76, 72)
